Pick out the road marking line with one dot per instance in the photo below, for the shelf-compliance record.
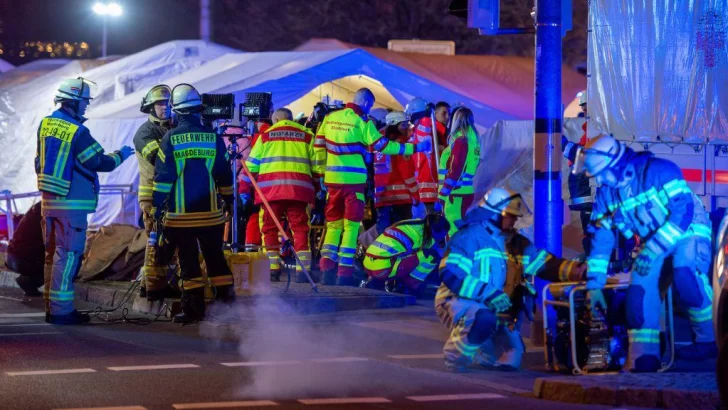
(225, 404)
(108, 408)
(340, 360)
(26, 324)
(9, 298)
(31, 334)
(154, 367)
(454, 397)
(269, 363)
(345, 400)
(42, 372)
(12, 315)
(416, 356)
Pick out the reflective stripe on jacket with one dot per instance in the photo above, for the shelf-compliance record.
(481, 260)
(458, 165)
(67, 161)
(397, 242)
(146, 144)
(283, 162)
(427, 173)
(342, 141)
(394, 179)
(191, 170)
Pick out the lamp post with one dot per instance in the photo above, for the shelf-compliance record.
(104, 10)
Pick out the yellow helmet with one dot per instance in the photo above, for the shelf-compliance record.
(601, 153)
(158, 93)
(503, 201)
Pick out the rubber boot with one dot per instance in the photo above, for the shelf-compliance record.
(301, 277)
(73, 318)
(329, 277)
(372, 284)
(697, 352)
(26, 284)
(275, 275)
(225, 295)
(647, 364)
(346, 281)
(193, 307)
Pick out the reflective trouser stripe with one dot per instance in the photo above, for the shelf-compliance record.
(348, 243)
(194, 283)
(334, 230)
(221, 280)
(305, 257)
(274, 257)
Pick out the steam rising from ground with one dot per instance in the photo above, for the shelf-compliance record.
(270, 330)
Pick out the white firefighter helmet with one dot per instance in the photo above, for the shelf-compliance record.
(396, 117)
(158, 93)
(75, 89)
(184, 97)
(378, 115)
(582, 98)
(503, 201)
(416, 105)
(601, 153)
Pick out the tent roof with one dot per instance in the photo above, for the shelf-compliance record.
(495, 87)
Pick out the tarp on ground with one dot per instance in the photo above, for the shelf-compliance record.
(23, 105)
(659, 69)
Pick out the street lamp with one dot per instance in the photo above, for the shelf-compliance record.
(104, 10)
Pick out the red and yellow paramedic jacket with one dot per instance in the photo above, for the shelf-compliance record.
(394, 176)
(342, 141)
(282, 161)
(426, 169)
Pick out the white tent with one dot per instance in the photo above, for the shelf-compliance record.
(23, 105)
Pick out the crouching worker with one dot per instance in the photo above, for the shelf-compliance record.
(407, 251)
(486, 291)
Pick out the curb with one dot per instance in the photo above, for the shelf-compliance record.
(608, 390)
(298, 300)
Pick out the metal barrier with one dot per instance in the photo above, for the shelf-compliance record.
(11, 208)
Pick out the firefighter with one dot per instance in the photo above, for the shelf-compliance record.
(426, 170)
(580, 190)
(395, 186)
(25, 254)
(342, 141)
(191, 170)
(283, 163)
(647, 198)
(251, 212)
(146, 141)
(408, 251)
(67, 162)
(458, 164)
(487, 284)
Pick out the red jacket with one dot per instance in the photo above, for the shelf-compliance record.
(426, 168)
(394, 177)
(243, 185)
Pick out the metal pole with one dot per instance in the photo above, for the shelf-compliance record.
(9, 214)
(205, 20)
(103, 37)
(548, 205)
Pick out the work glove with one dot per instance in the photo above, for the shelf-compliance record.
(419, 211)
(644, 262)
(597, 301)
(125, 152)
(438, 207)
(244, 198)
(498, 301)
(323, 186)
(423, 146)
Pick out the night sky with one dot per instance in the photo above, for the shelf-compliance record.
(145, 23)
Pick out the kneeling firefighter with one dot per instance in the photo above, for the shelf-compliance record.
(647, 197)
(191, 170)
(487, 284)
(146, 143)
(407, 250)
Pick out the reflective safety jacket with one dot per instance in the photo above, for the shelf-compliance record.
(191, 170)
(481, 260)
(396, 243)
(427, 173)
(67, 161)
(657, 206)
(394, 178)
(283, 163)
(342, 141)
(458, 164)
(146, 144)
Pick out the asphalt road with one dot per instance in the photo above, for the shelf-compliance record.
(387, 359)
